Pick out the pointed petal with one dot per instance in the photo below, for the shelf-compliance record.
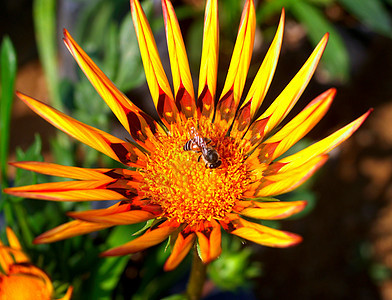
(113, 215)
(181, 248)
(182, 80)
(209, 61)
(67, 191)
(156, 78)
(68, 230)
(95, 138)
(6, 259)
(18, 256)
(286, 181)
(260, 84)
(238, 69)
(210, 242)
(12, 239)
(322, 147)
(63, 171)
(141, 126)
(68, 294)
(271, 210)
(150, 238)
(298, 127)
(264, 235)
(287, 98)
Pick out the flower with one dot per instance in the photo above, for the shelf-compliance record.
(21, 279)
(190, 195)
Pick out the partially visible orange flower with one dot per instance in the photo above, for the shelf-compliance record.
(19, 279)
(190, 196)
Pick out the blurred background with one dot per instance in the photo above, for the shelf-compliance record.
(347, 226)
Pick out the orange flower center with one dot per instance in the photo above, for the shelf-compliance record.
(179, 181)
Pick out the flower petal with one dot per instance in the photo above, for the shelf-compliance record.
(151, 238)
(179, 251)
(118, 215)
(210, 242)
(322, 147)
(141, 126)
(68, 230)
(271, 210)
(95, 138)
(209, 61)
(11, 254)
(296, 129)
(260, 85)
(68, 191)
(238, 69)
(282, 105)
(12, 239)
(264, 235)
(63, 171)
(156, 78)
(182, 80)
(284, 182)
(68, 294)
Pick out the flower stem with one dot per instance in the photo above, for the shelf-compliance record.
(197, 277)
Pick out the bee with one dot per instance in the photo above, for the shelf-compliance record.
(200, 144)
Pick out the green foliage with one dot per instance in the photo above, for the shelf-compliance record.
(15, 211)
(7, 82)
(310, 13)
(234, 268)
(106, 272)
(44, 12)
(176, 297)
(335, 57)
(128, 74)
(372, 13)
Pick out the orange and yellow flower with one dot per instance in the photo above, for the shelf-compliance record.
(188, 201)
(20, 279)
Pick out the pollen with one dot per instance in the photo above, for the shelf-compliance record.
(179, 181)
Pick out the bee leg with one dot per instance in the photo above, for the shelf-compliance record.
(198, 160)
(207, 140)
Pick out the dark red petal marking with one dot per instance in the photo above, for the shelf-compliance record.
(205, 104)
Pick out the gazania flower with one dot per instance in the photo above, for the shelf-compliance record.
(20, 279)
(204, 166)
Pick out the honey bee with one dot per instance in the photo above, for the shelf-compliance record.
(200, 144)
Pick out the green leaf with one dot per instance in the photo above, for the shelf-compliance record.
(234, 269)
(33, 153)
(270, 8)
(194, 44)
(322, 2)
(8, 66)
(44, 14)
(107, 272)
(129, 74)
(371, 13)
(176, 297)
(15, 212)
(92, 27)
(335, 58)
